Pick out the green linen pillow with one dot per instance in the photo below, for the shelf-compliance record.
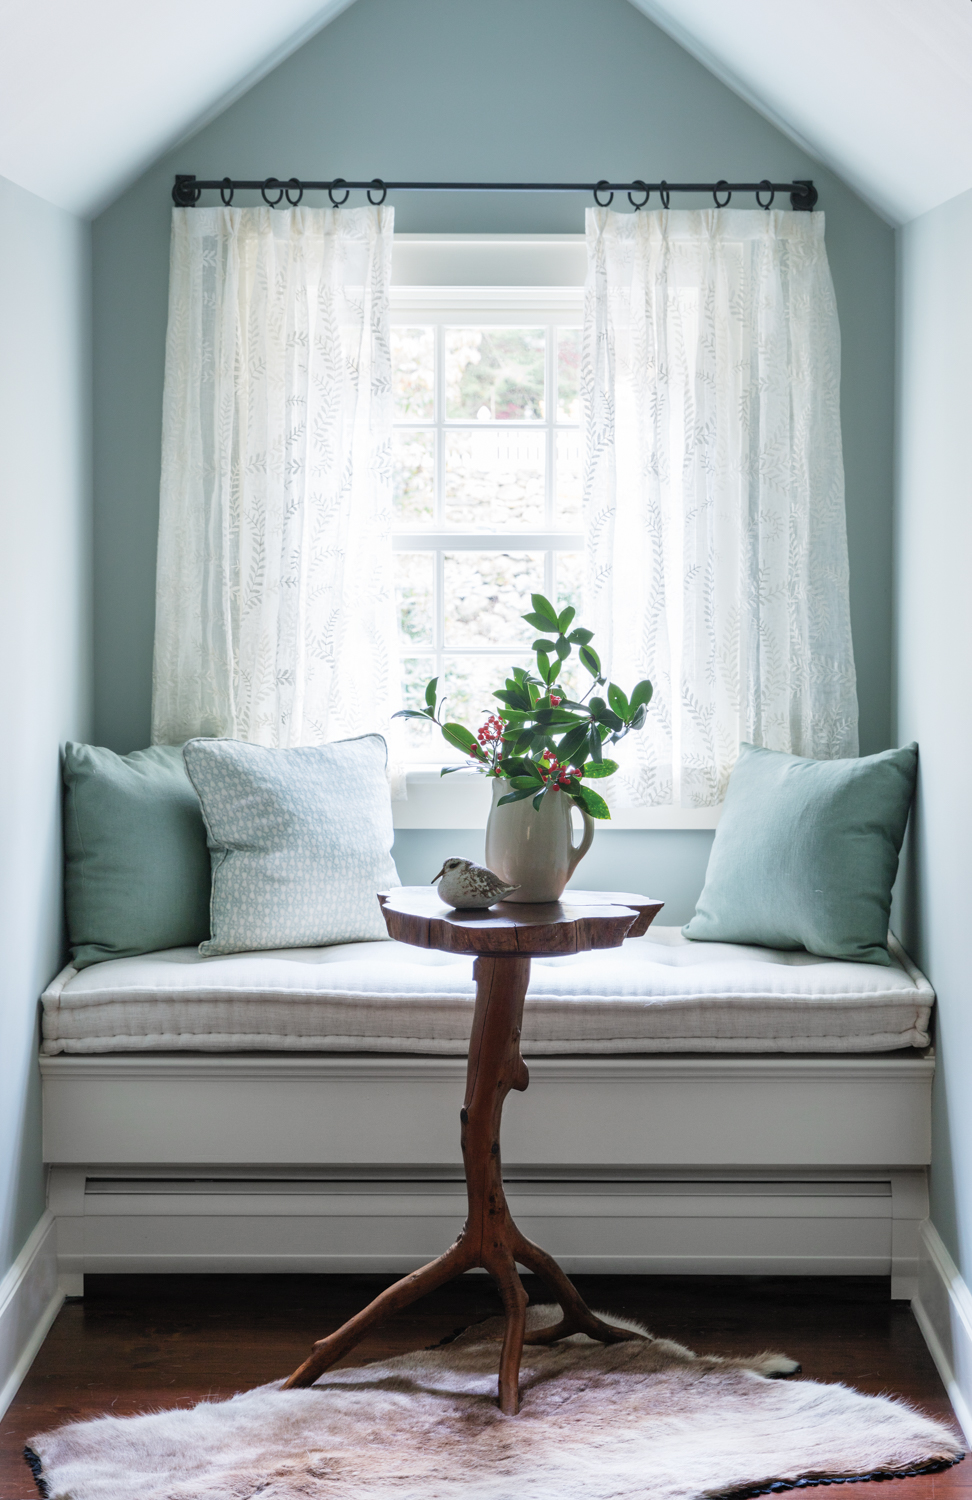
(137, 869)
(806, 853)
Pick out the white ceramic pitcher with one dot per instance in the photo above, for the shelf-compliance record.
(534, 850)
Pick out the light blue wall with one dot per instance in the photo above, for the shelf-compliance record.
(542, 89)
(44, 630)
(934, 685)
(665, 864)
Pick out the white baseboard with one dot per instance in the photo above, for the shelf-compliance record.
(943, 1309)
(30, 1298)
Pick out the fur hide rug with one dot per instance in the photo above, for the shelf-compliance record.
(632, 1421)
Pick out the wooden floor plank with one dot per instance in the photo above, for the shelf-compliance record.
(140, 1342)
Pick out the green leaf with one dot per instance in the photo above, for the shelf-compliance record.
(642, 694)
(598, 706)
(581, 637)
(558, 715)
(601, 768)
(589, 800)
(448, 770)
(544, 645)
(618, 700)
(430, 693)
(543, 665)
(517, 715)
(518, 699)
(459, 736)
(545, 608)
(539, 798)
(571, 744)
(594, 740)
(520, 674)
(563, 647)
(639, 717)
(519, 782)
(515, 797)
(412, 713)
(591, 660)
(565, 617)
(512, 765)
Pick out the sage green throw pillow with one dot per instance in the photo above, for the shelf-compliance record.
(806, 853)
(137, 868)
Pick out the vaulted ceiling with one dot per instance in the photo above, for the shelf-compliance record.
(878, 90)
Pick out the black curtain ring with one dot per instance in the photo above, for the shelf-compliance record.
(294, 186)
(268, 187)
(378, 185)
(724, 186)
(664, 195)
(644, 189)
(600, 188)
(226, 191)
(765, 187)
(338, 183)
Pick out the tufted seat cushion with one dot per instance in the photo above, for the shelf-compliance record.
(658, 993)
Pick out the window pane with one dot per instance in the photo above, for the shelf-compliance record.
(413, 373)
(485, 595)
(495, 374)
(568, 589)
(470, 682)
(568, 374)
(413, 462)
(414, 574)
(422, 741)
(569, 576)
(494, 478)
(569, 490)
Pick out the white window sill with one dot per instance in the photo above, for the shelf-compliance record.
(462, 800)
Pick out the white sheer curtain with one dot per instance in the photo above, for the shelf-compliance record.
(714, 491)
(275, 602)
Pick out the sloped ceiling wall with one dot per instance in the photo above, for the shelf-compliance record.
(878, 90)
(92, 94)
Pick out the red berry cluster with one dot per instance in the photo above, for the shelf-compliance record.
(491, 732)
(555, 772)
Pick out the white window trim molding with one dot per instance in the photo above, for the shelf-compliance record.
(462, 800)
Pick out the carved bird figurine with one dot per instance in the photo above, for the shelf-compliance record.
(461, 883)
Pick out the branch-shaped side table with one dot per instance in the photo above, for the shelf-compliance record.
(504, 938)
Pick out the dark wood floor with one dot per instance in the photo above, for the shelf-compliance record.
(140, 1342)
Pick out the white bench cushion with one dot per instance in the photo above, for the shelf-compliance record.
(658, 993)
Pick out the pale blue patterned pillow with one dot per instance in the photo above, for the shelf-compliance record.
(300, 841)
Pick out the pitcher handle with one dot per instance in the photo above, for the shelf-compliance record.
(577, 851)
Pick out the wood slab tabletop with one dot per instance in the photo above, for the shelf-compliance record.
(579, 921)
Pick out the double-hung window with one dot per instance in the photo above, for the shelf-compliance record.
(488, 471)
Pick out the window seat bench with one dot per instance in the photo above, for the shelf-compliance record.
(692, 1107)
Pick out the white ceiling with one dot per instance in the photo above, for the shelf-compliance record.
(92, 92)
(879, 90)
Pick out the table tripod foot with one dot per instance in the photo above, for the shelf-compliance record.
(577, 1316)
(514, 1296)
(400, 1294)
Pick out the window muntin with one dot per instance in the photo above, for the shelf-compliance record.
(487, 473)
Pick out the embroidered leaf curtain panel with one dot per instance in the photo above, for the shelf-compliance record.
(275, 602)
(714, 491)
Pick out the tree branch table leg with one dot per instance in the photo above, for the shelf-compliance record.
(489, 1238)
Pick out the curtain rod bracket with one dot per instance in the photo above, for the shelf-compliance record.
(804, 200)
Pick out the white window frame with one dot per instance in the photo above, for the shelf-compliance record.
(529, 271)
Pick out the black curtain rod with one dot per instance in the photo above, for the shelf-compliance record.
(188, 189)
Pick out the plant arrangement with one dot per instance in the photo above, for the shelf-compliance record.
(538, 741)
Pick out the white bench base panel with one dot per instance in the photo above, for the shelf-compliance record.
(721, 1165)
